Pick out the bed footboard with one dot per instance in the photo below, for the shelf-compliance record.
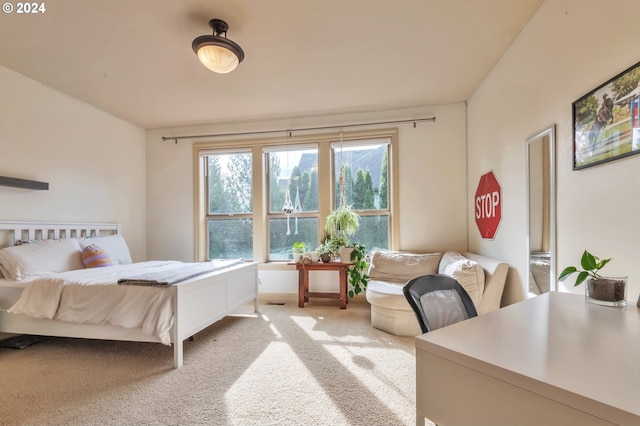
(200, 302)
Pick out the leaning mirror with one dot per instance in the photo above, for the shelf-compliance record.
(541, 211)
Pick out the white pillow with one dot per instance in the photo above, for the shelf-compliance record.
(468, 273)
(40, 258)
(115, 246)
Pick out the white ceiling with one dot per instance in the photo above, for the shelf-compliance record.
(133, 58)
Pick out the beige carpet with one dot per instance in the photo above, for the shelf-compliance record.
(285, 366)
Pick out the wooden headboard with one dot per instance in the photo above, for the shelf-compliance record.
(10, 232)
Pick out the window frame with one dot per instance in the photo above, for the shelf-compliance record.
(223, 216)
(260, 190)
(267, 150)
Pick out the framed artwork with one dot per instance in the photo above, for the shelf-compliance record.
(606, 121)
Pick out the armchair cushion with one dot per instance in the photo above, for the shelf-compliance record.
(397, 267)
(466, 271)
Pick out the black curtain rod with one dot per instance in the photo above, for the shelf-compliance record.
(289, 131)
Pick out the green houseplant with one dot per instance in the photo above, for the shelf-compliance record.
(358, 277)
(342, 222)
(327, 248)
(299, 248)
(599, 289)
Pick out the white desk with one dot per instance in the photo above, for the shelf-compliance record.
(550, 360)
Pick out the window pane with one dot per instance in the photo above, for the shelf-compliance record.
(296, 169)
(304, 229)
(365, 176)
(230, 238)
(373, 232)
(230, 183)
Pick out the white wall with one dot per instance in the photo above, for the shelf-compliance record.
(432, 182)
(94, 162)
(569, 48)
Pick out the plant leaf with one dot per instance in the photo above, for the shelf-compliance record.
(603, 262)
(588, 261)
(581, 277)
(567, 271)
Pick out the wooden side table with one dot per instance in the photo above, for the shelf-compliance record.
(303, 281)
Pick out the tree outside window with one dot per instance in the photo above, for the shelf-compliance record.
(230, 213)
(363, 164)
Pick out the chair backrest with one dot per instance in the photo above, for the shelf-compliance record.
(438, 300)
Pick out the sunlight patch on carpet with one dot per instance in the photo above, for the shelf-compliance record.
(314, 329)
(389, 374)
(275, 331)
(248, 315)
(280, 374)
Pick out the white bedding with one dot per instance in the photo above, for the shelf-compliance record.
(10, 292)
(93, 296)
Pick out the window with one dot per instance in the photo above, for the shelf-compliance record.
(243, 187)
(365, 176)
(293, 184)
(229, 205)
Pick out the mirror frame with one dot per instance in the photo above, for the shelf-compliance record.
(550, 132)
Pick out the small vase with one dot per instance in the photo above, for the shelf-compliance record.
(325, 257)
(607, 291)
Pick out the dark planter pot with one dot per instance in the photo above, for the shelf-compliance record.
(326, 258)
(609, 291)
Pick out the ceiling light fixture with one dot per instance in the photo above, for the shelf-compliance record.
(216, 52)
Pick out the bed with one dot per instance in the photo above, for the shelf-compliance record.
(184, 307)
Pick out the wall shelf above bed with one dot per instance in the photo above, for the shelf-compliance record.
(23, 183)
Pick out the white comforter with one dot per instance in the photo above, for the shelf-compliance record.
(92, 296)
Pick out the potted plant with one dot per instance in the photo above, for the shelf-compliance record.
(342, 222)
(610, 291)
(327, 249)
(298, 250)
(358, 277)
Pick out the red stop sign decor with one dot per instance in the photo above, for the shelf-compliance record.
(487, 205)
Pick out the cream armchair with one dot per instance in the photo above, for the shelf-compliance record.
(482, 277)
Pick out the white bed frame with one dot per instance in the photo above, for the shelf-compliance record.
(197, 303)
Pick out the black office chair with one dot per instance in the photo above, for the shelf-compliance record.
(438, 300)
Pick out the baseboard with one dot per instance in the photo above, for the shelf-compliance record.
(268, 298)
(265, 298)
